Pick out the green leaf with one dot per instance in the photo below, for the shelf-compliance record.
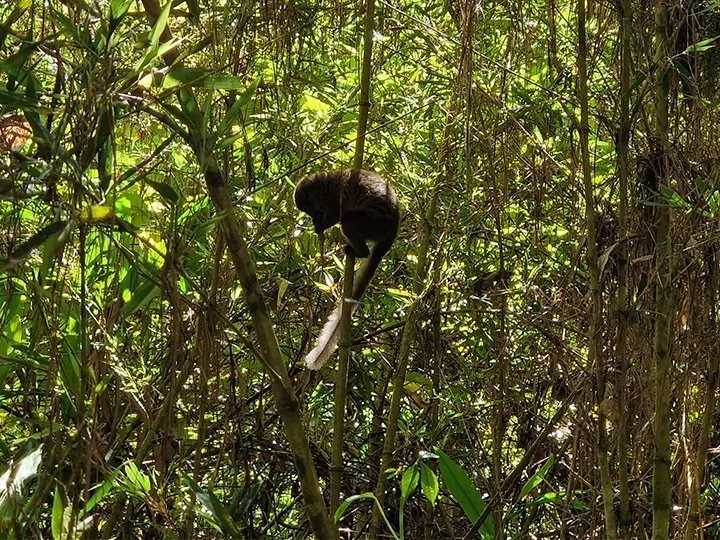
(189, 76)
(34, 242)
(465, 494)
(673, 198)
(17, 60)
(224, 82)
(313, 104)
(78, 37)
(702, 46)
(155, 49)
(160, 24)
(216, 508)
(241, 506)
(100, 493)
(137, 481)
(240, 103)
(537, 478)
(57, 516)
(118, 9)
(347, 502)
(141, 297)
(95, 213)
(164, 190)
(70, 374)
(429, 483)
(409, 481)
(20, 7)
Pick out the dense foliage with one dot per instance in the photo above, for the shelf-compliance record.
(553, 296)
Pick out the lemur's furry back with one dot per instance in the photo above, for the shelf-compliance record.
(366, 207)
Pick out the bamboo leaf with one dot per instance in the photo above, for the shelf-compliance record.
(409, 481)
(429, 483)
(465, 494)
(537, 478)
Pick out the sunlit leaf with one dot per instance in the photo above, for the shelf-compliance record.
(465, 494)
(57, 516)
(95, 213)
(17, 60)
(141, 297)
(216, 508)
(165, 190)
(118, 9)
(537, 478)
(429, 483)
(100, 493)
(409, 481)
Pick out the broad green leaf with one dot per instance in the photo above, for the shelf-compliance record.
(160, 24)
(234, 111)
(189, 108)
(241, 506)
(537, 478)
(34, 242)
(409, 481)
(138, 481)
(702, 46)
(100, 493)
(429, 483)
(673, 198)
(155, 48)
(347, 502)
(141, 297)
(465, 494)
(17, 60)
(164, 190)
(57, 516)
(19, 8)
(118, 9)
(224, 82)
(311, 103)
(216, 508)
(95, 213)
(70, 374)
(189, 76)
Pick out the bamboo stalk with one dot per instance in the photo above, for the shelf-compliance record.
(697, 474)
(662, 480)
(336, 467)
(595, 355)
(345, 319)
(622, 257)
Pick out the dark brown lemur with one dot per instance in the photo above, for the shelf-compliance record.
(366, 207)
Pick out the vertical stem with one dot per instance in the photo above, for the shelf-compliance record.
(622, 295)
(697, 465)
(341, 387)
(394, 414)
(595, 355)
(662, 482)
(345, 325)
(365, 83)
